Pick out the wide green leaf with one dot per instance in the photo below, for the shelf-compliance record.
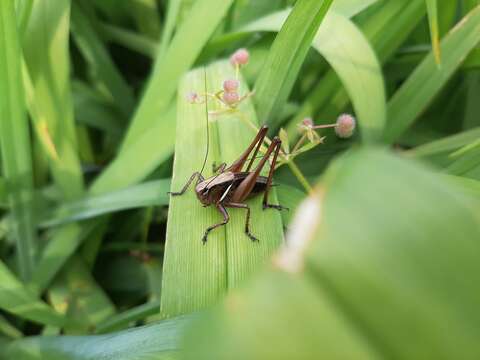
(361, 277)
(196, 275)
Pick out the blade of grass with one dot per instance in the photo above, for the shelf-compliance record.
(76, 294)
(159, 341)
(128, 39)
(47, 59)
(187, 44)
(127, 317)
(141, 157)
(194, 275)
(63, 243)
(145, 13)
(286, 56)
(152, 193)
(24, 9)
(351, 56)
(427, 79)
(101, 66)
(434, 33)
(173, 9)
(445, 144)
(16, 299)
(8, 329)
(15, 142)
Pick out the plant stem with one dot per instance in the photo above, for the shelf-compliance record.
(300, 177)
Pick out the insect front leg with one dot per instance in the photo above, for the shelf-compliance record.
(219, 169)
(185, 187)
(226, 218)
(247, 221)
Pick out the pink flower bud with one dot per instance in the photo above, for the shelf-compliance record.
(240, 57)
(345, 126)
(230, 85)
(231, 98)
(192, 97)
(307, 122)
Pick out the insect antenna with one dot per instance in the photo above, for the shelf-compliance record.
(206, 119)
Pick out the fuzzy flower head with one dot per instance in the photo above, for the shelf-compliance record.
(231, 98)
(230, 85)
(240, 57)
(345, 126)
(192, 97)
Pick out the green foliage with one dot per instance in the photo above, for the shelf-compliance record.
(381, 251)
(361, 282)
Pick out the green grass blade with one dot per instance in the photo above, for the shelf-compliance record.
(141, 157)
(24, 9)
(129, 39)
(145, 13)
(16, 299)
(152, 193)
(102, 67)
(62, 244)
(8, 329)
(15, 142)
(159, 341)
(386, 30)
(427, 80)
(125, 318)
(350, 8)
(194, 275)
(286, 56)
(434, 33)
(353, 59)
(187, 44)
(446, 144)
(93, 111)
(47, 58)
(75, 294)
(173, 9)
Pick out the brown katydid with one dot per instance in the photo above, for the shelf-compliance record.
(231, 186)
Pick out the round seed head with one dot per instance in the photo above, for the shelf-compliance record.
(231, 98)
(345, 126)
(192, 97)
(230, 85)
(240, 57)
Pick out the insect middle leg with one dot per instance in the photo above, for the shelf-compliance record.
(226, 218)
(266, 205)
(247, 221)
(181, 192)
